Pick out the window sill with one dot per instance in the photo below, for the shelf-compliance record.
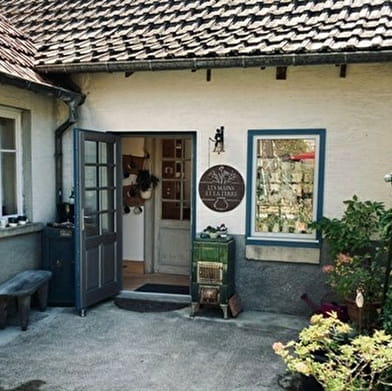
(20, 230)
(282, 242)
(279, 253)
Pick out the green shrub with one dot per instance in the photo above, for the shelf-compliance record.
(387, 313)
(349, 363)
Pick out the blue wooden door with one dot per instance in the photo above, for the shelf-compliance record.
(98, 211)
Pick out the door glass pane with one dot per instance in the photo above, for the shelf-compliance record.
(7, 133)
(90, 176)
(187, 170)
(169, 190)
(186, 190)
(188, 149)
(104, 203)
(91, 201)
(107, 222)
(168, 169)
(178, 148)
(103, 177)
(186, 211)
(90, 152)
(91, 224)
(176, 177)
(103, 153)
(8, 179)
(168, 148)
(171, 210)
(178, 170)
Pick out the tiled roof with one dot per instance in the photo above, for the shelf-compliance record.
(102, 31)
(17, 55)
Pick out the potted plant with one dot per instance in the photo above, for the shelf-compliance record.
(146, 182)
(356, 245)
(212, 232)
(349, 276)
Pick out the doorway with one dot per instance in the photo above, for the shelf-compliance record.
(157, 232)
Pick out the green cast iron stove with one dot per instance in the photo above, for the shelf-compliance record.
(212, 273)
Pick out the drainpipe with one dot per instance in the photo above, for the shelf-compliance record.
(58, 147)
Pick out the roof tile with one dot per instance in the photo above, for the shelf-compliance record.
(124, 30)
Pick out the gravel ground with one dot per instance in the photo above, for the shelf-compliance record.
(113, 349)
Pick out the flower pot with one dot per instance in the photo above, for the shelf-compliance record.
(369, 313)
(146, 195)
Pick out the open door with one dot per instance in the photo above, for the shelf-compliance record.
(98, 213)
(173, 206)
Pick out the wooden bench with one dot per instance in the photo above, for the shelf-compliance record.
(22, 286)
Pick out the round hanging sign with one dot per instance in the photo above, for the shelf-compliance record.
(221, 188)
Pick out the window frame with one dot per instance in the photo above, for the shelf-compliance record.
(16, 115)
(286, 239)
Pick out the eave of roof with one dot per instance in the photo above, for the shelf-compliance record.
(17, 64)
(46, 89)
(222, 62)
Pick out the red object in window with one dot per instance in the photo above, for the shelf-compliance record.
(302, 156)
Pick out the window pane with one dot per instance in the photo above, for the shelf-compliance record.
(8, 185)
(7, 133)
(90, 152)
(285, 185)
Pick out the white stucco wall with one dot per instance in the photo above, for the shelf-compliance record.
(43, 124)
(356, 112)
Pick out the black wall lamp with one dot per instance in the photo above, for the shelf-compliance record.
(218, 140)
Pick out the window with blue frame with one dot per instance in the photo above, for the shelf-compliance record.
(285, 186)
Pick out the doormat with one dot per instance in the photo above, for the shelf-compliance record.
(147, 305)
(161, 288)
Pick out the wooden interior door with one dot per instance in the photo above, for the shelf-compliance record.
(173, 206)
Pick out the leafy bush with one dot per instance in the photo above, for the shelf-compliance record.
(349, 274)
(387, 313)
(348, 363)
(354, 232)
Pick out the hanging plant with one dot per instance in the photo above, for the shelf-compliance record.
(146, 182)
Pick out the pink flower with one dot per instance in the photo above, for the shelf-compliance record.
(343, 258)
(277, 347)
(301, 367)
(328, 268)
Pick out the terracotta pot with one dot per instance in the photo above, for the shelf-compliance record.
(369, 313)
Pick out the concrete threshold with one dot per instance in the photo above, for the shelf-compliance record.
(152, 296)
